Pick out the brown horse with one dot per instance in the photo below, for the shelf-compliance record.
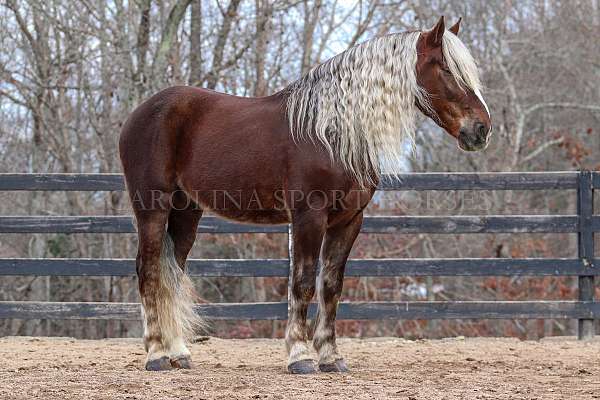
(308, 156)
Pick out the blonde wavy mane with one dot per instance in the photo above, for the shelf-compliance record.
(361, 105)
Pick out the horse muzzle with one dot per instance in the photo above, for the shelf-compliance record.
(475, 137)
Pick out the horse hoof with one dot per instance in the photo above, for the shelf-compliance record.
(159, 364)
(337, 366)
(182, 362)
(302, 367)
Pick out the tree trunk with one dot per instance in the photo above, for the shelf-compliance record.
(263, 15)
(219, 49)
(195, 78)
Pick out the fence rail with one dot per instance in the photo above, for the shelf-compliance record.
(400, 224)
(280, 267)
(418, 181)
(586, 266)
(350, 310)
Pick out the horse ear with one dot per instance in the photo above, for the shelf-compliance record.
(434, 36)
(454, 28)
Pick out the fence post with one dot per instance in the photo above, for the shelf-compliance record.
(585, 248)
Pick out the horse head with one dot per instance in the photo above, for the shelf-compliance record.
(447, 72)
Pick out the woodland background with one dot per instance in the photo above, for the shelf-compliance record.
(71, 71)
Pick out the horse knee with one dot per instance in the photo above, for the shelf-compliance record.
(304, 289)
(331, 284)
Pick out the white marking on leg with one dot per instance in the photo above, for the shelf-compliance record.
(144, 323)
(156, 351)
(295, 336)
(328, 353)
(178, 348)
(299, 351)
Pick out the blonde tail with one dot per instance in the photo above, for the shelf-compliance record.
(175, 301)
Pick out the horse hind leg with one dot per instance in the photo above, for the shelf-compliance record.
(166, 293)
(151, 230)
(336, 248)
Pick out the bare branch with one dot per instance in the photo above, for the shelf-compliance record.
(536, 107)
(541, 148)
(170, 29)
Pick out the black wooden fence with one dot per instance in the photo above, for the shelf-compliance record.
(586, 266)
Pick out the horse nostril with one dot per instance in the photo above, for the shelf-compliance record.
(481, 130)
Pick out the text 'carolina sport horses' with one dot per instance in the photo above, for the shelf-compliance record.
(308, 156)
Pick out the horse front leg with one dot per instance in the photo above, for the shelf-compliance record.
(308, 230)
(336, 248)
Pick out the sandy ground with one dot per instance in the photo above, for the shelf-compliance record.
(63, 368)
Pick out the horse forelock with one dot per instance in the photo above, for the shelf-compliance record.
(361, 105)
(462, 65)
